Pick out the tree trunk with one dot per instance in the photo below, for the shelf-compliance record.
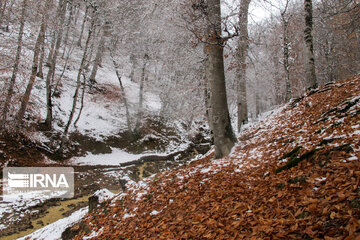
(51, 72)
(97, 61)
(83, 26)
(59, 10)
(69, 52)
(38, 44)
(82, 97)
(78, 84)
(242, 109)
(40, 73)
(77, 11)
(277, 80)
(207, 96)
(92, 44)
(67, 25)
(8, 14)
(128, 121)
(286, 64)
(52, 49)
(141, 97)
(133, 62)
(224, 138)
(257, 103)
(2, 10)
(10, 90)
(310, 74)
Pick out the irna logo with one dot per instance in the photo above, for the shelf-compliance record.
(37, 180)
(52, 181)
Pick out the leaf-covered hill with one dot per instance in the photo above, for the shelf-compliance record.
(295, 175)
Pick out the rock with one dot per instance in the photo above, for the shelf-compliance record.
(93, 203)
(69, 233)
(99, 197)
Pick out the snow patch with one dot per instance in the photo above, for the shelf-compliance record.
(103, 195)
(94, 234)
(115, 158)
(154, 212)
(54, 230)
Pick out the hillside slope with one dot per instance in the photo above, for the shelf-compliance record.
(295, 175)
(102, 124)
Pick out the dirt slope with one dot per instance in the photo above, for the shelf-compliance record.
(296, 175)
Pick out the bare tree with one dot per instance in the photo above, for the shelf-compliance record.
(68, 24)
(3, 5)
(82, 94)
(98, 57)
(40, 73)
(141, 96)
(243, 46)
(286, 49)
(83, 25)
(51, 72)
(224, 138)
(16, 65)
(309, 46)
(6, 11)
(128, 121)
(78, 84)
(37, 48)
(60, 11)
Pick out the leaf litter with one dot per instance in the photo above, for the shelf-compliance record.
(313, 140)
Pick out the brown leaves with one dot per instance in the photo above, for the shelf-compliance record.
(317, 199)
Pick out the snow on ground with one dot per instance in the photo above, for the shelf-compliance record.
(17, 205)
(141, 188)
(103, 114)
(54, 230)
(103, 195)
(115, 158)
(94, 234)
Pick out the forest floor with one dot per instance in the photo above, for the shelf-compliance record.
(93, 172)
(97, 147)
(295, 175)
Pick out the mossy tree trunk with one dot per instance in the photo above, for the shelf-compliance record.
(310, 74)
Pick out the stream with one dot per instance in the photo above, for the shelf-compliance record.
(88, 179)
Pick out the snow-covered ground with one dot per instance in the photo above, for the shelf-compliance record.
(17, 205)
(54, 230)
(115, 158)
(103, 113)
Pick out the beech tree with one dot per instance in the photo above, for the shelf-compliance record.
(286, 50)
(78, 82)
(16, 65)
(224, 138)
(34, 69)
(337, 31)
(52, 66)
(185, 41)
(309, 46)
(242, 109)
